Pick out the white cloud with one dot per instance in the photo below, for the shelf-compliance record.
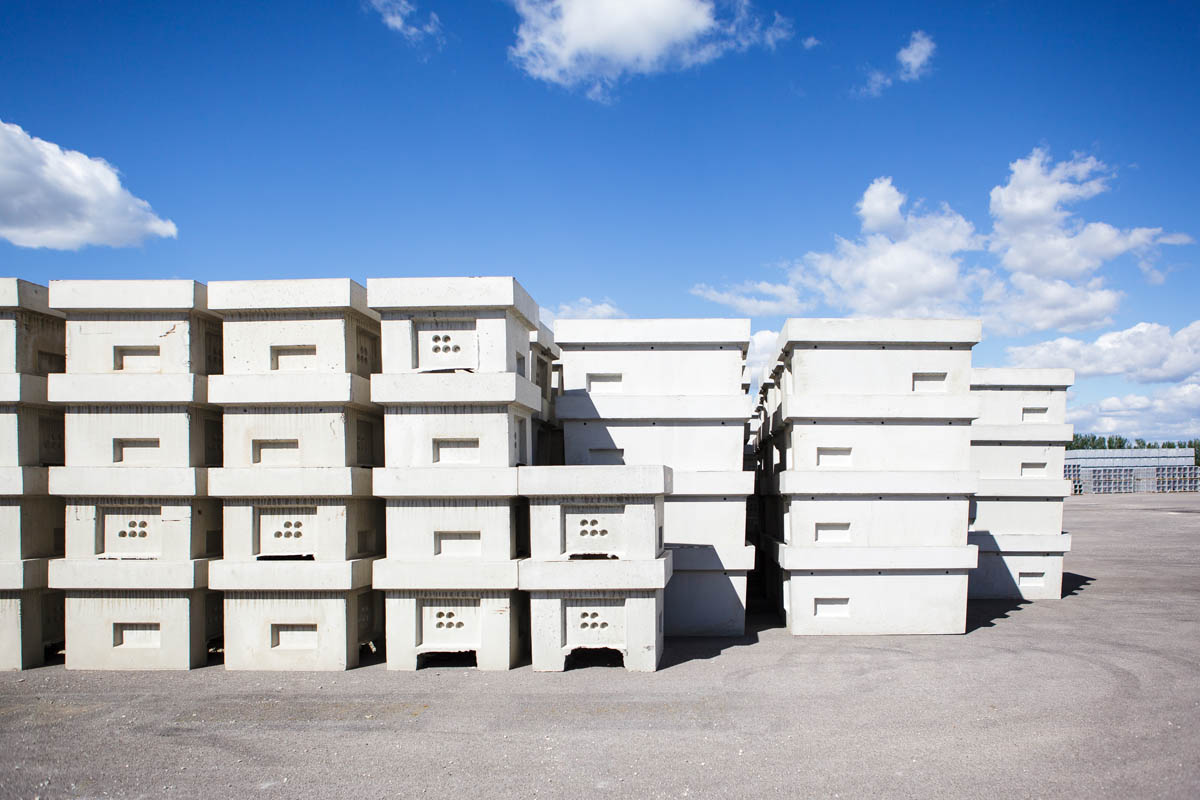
(901, 265)
(402, 17)
(877, 81)
(1035, 233)
(915, 56)
(911, 263)
(64, 200)
(762, 352)
(1172, 413)
(1146, 352)
(810, 42)
(914, 60)
(583, 308)
(596, 43)
(1031, 303)
(756, 298)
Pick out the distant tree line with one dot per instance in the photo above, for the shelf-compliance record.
(1095, 441)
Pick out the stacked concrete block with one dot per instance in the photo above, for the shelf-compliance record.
(139, 434)
(873, 432)
(1017, 446)
(671, 392)
(461, 409)
(300, 438)
(31, 439)
(597, 565)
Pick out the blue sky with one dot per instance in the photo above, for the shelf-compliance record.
(1034, 166)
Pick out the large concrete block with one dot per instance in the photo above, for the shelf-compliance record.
(629, 622)
(876, 602)
(299, 630)
(488, 623)
(134, 630)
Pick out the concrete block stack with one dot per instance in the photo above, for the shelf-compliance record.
(873, 426)
(31, 439)
(670, 392)
(1017, 446)
(460, 414)
(300, 438)
(597, 566)
(139, 434)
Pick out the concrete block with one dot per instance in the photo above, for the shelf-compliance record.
(489, 623)
(629, 622)
(876, 602)
(300, 630)
(136, 630)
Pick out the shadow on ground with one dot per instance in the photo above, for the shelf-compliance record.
(682, 649)
(986, 613)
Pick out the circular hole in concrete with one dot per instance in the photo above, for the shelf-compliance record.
(594, 522)
(142, 534)
(142, 524)
(287, 524)
(121, 534)
(278, 534)
(437, 338)
(457, 348)
(440, 615)
(132, 524)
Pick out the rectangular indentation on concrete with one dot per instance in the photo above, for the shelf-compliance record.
(456, 451)
(293, 357)
(136, 359)
(134, 451)
(456, 544)
(275, 452)
(606, 455)
(1033, 469)
(136, 634)
(929, 381)
(833, 457)
(831, 606)
(293, 636)
(831, 532)
(1034, 414)
(1031, 579)
(604, 382)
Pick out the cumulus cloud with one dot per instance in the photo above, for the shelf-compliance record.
(1035, 233)
(1172, 413)
(902, 264)
(596, 43)
(912, 261)
(582, 308)
(914, 60)
(1146, 353)
(64, 200)
(914, 57)
(402, 17)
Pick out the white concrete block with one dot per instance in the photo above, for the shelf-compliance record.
(629, 622)
(877, 602)
(490, 623)
(134, 630)
(299, 630)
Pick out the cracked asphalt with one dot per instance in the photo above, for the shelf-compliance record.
(1094, 695)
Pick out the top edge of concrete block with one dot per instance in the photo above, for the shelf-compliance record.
(543, 337)
(572, 481)
(570, 333)
(880, 331)
(452, 294)
(306, 293)
(128, 295)
(1018, 376)
(18, 293)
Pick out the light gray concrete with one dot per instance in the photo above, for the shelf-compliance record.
(1097, 695)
